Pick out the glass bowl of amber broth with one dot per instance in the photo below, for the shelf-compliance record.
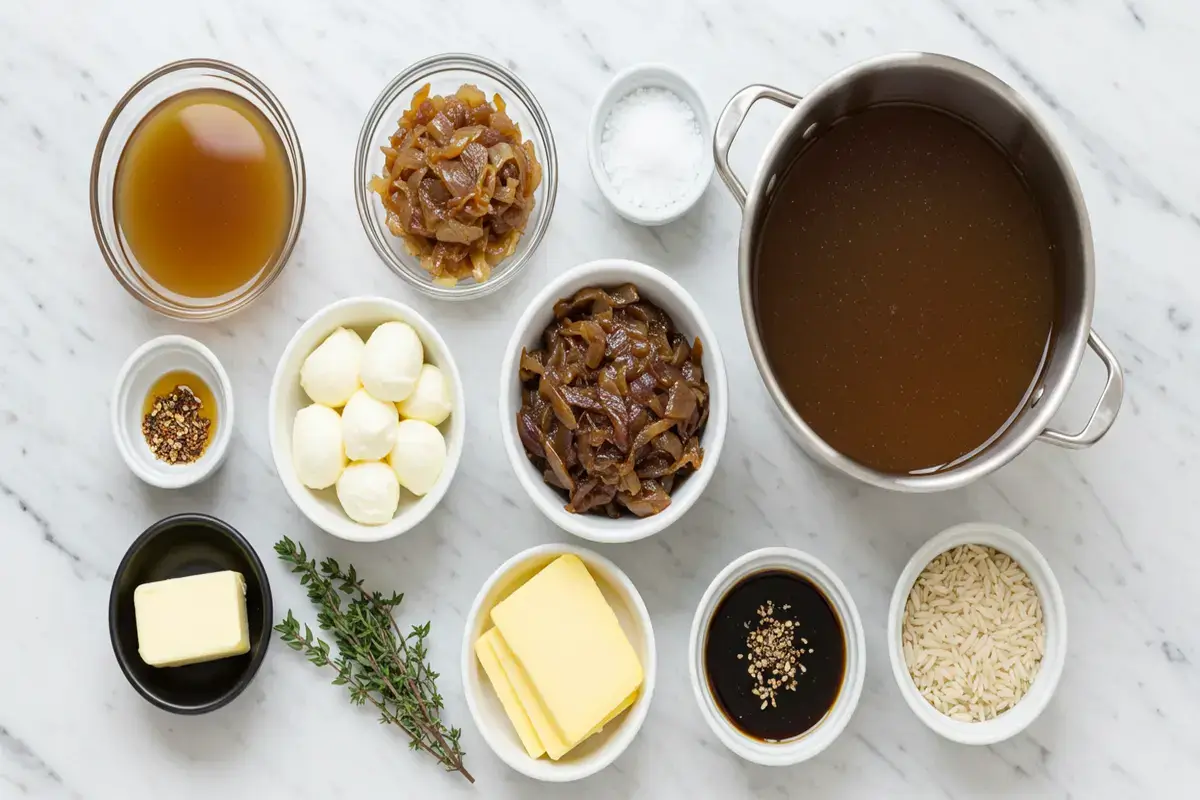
(197, 189)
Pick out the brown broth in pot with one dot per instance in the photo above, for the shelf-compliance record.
(905, 288)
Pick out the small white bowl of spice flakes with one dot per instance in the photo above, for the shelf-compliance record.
(172, 412)
(977, 633)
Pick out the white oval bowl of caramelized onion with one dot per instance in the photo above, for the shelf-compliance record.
(662, 291)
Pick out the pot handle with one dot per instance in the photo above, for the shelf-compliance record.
(1106, 410)
(730, 121)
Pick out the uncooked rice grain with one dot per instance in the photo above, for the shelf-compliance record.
(973, 633)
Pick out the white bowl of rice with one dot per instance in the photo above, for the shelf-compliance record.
(977, 633)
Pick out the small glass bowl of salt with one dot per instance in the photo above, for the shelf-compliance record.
(649, 144)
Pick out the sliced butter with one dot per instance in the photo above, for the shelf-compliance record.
(486, 653)
(547, 732)
(190, 620)
(568, 643)
(535, 712)
(499, 664)
(626, 703)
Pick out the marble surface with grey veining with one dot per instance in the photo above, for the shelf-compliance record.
(1115, 81)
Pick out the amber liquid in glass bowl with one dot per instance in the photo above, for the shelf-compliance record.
(203, 194)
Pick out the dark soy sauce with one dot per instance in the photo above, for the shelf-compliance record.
(785, 597)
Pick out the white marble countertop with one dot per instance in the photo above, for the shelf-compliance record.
(1115, 79)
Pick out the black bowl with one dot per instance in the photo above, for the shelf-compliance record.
(175, 547)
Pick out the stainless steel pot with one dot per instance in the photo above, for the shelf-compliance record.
(981, 98)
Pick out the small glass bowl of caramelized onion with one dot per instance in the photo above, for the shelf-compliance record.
(197, 189)
(475, 239)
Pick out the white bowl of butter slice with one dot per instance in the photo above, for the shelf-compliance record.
(558, 676)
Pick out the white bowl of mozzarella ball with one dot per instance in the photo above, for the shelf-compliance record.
(367, 418)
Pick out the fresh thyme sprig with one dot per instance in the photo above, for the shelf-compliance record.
(374, 661)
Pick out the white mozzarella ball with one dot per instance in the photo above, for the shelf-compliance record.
(430, 400)
(318, 454)
(418, 456)
(368, 427)
(330, 373)
(369, 492)
(391, 361)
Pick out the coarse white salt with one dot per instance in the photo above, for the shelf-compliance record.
(652, 148)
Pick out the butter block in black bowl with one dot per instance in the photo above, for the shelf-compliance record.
(176, 547)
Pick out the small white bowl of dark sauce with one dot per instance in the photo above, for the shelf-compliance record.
(762, 592)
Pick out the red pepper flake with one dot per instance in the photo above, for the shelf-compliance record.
(174, 428)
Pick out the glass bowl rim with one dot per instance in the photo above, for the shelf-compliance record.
(428, 68)
(291, 143)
